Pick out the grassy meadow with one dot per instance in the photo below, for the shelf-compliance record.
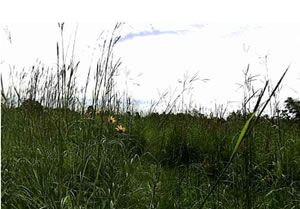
(60, 151)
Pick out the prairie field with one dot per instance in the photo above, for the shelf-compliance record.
(61, 148)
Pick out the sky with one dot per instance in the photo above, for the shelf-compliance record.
(159, 55)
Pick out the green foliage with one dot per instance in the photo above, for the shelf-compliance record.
(58, 153)
(49, 163)
(293, 106)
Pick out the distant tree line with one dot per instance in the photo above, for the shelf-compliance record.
(292, 107)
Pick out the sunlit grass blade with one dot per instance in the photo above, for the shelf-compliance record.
(242, 134)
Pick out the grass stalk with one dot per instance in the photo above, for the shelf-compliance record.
(245, 131)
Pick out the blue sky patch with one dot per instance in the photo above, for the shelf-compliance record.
(153, 32)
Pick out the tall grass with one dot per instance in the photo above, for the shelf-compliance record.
(61, 151)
